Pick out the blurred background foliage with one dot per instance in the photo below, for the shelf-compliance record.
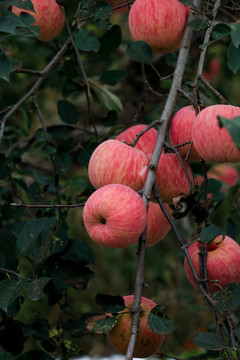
(27, 175)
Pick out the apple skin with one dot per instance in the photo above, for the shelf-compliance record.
(48, 16)
(157, 224)
(115, 216)
(214, 144)
(159, 23)
(114, 162)
(146, 142)
(223, 263)
(170, 177)
(181, 131)
(224, 172)
(148, 342)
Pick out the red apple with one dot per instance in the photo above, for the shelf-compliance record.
(115, 216)
(224, 172)
(170, 177)
(159, 23)
(148, 342)
(146, 142)
(181, 131)
(214, 144)
(48, 17)
(114, 162)
(223, 263)
(157, 224)
(214, 68)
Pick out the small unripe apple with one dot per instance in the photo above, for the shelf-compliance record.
(159, 23)
(114, 162)
(148, 342)
(48, 17)
(181, 131)
(115, 216)
(223, 263)
(170, 177)
(146, 142)
(214, 144)
(157, 224)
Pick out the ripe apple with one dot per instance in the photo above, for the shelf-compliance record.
(170, 177)
(181, 131)
(148, 342)
(159, 23)
(146, 143)
(48, 16)
(224, 172)
(114, 162)
(115, 216)
(223, 263)
(214, 144)
(157, 224)
(214, 69)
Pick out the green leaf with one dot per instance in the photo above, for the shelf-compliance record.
(79, 252)
(110, 41)
(34, 288)
(219, 31)
(12, 330)
(22, 4)
(30, 232)
(140, 51)
(199, 24)
(36, 355)
(9, 23)
(186, 2)
(85, 40)
(235, 33)
(102, 16)
(109, 303)
(233, 55)
(105, 97)
(112, 77)
(59, 241)
(68, 112)
(4, 67)
(209, 341)
(232, 126)
(210, 233)
(9, 290)
(228, 299)
(104, 325)
(160, 323)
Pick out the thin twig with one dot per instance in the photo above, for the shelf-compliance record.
(215, 91)
(47, 206)
(13, 273)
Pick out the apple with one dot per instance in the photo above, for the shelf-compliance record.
(181, 131)
(115, 216)
(159, 23)
(214, 144)
(223, 262)
(214, 69)
(48, 17)
(148, 342)
(146, 142)
(170, 177)
(224, 172)
(114, 162)
(157, 224)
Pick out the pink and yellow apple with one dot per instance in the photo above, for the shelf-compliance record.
(115, 216)
(170, 177)
(157, 224)
(214, 144)
(148, 342)
(114, 162)
(159, 23)
(223, 263)
(48, 17)
(224, 172)
(146, 142)
(181, 131)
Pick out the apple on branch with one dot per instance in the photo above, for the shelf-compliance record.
(157, 224)
(148, 342)
(214, 144)
(114, 162)
(48, 17)
(223, 263)
(159, 23)
(115, 216)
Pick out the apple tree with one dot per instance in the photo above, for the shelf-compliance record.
(63, 96)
